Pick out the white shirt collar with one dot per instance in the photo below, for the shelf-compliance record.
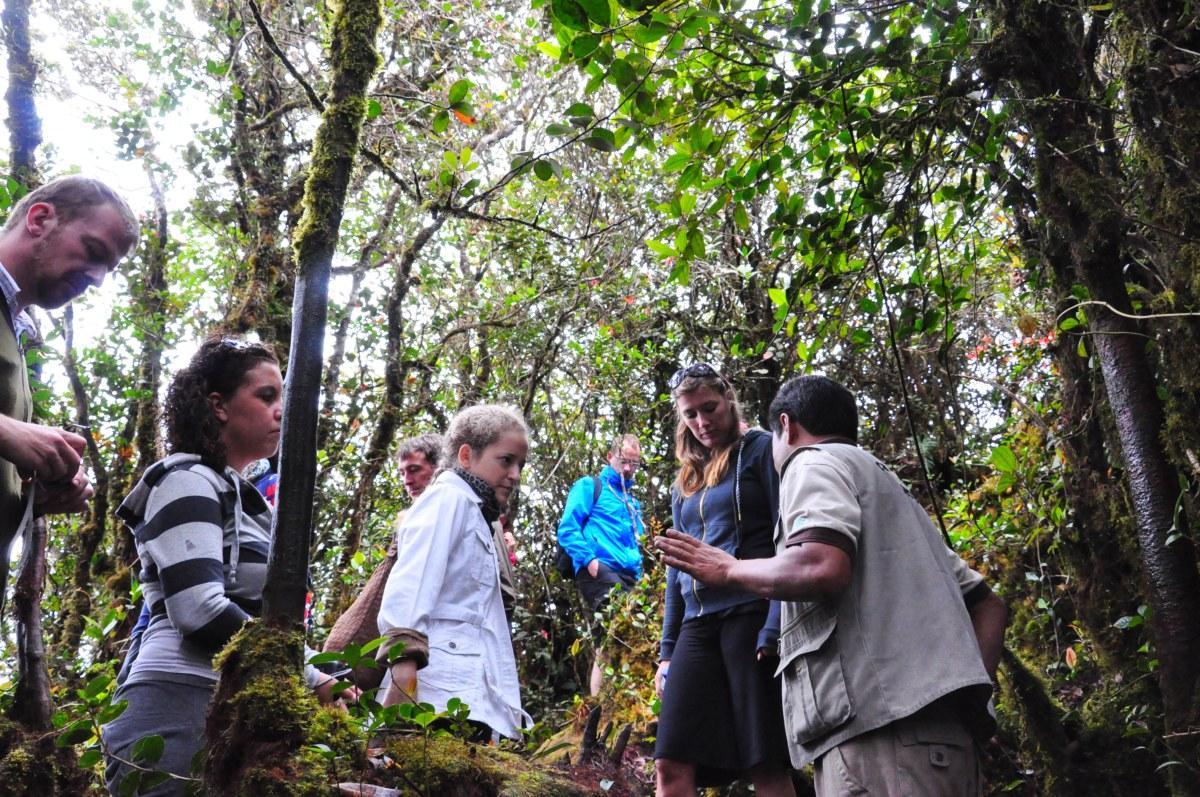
(22, 321)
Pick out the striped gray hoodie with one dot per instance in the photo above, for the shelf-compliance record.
(203, 540)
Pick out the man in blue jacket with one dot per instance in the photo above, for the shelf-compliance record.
(600, 530)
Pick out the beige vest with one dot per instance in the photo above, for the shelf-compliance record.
(898, 638)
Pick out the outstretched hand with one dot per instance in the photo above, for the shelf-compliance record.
(703, 562)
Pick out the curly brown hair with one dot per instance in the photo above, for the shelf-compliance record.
(219, 366)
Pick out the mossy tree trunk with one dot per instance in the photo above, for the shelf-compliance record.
(24, 126)
(1047, 55)
(266, 188)
(238, 755)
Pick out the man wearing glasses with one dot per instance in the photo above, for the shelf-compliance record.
(600, 529)
(59, 240)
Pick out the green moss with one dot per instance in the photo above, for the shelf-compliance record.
(451, 767)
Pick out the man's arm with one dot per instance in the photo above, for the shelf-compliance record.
(811, 571)
(570, 528)
(989, 616)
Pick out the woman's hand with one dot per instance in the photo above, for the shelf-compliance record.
(404, 683)
(660, 676)
(593, 568)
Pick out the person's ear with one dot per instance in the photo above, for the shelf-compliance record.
(464, 455)
(40, 218)
(217, 404)
(791, 430)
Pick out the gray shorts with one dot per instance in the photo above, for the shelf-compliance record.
(173, 711)
(930, 754)
(595, 590)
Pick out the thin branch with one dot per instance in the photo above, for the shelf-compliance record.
(283, 59)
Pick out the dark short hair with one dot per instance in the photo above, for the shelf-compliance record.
(428, 444)
(219, 366)
(819, 404)
(74, 196)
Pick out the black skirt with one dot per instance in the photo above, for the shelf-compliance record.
(722, 708)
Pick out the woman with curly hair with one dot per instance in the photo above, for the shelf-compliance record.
(442, 605)
(721, 714)
(203, 536)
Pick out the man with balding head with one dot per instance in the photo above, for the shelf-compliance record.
(600, 529)
(59, 240)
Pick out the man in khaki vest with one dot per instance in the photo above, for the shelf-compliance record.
(889, 640)
(60, 240)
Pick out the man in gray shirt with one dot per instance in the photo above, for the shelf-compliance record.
(889, 640)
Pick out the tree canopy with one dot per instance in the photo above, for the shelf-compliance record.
(982, 218)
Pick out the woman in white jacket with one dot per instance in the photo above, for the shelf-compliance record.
(442, 599)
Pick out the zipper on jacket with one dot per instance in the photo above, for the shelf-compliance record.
(703, 535)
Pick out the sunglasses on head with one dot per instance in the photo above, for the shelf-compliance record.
(703, 370)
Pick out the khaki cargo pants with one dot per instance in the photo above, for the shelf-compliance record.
(918, 756)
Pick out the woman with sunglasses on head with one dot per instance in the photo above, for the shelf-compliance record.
(203, 536)
(721, 716)
(442, 608)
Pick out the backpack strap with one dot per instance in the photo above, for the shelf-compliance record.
(597, 486)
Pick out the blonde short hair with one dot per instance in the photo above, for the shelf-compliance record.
(480, 426)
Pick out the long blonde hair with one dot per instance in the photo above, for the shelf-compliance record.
(700, 466)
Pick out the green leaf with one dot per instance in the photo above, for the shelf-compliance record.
(622, 73)
(97, 686)
(602, 140)
(551, 49)
(77, 732)
(740, 218)
(778, 297)
(598, 12)
(1068, 323)
(659, 248)
(327, 657)
(581, 110)
(148, 750)
(90, 758)
(570, 14)
(374, 109)
(556, 129)
(1003, 459)
(441, 121)
(676, 163)
(111, 712)
(458, 92)
(584, 45)
(543, 170)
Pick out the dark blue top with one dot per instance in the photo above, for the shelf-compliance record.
(710, 515)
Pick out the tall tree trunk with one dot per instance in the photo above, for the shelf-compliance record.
(24, 126)
(1045, 53)
(246, 738)
(260, 166)
(32, 705)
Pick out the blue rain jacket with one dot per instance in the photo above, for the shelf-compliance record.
(613, 529)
